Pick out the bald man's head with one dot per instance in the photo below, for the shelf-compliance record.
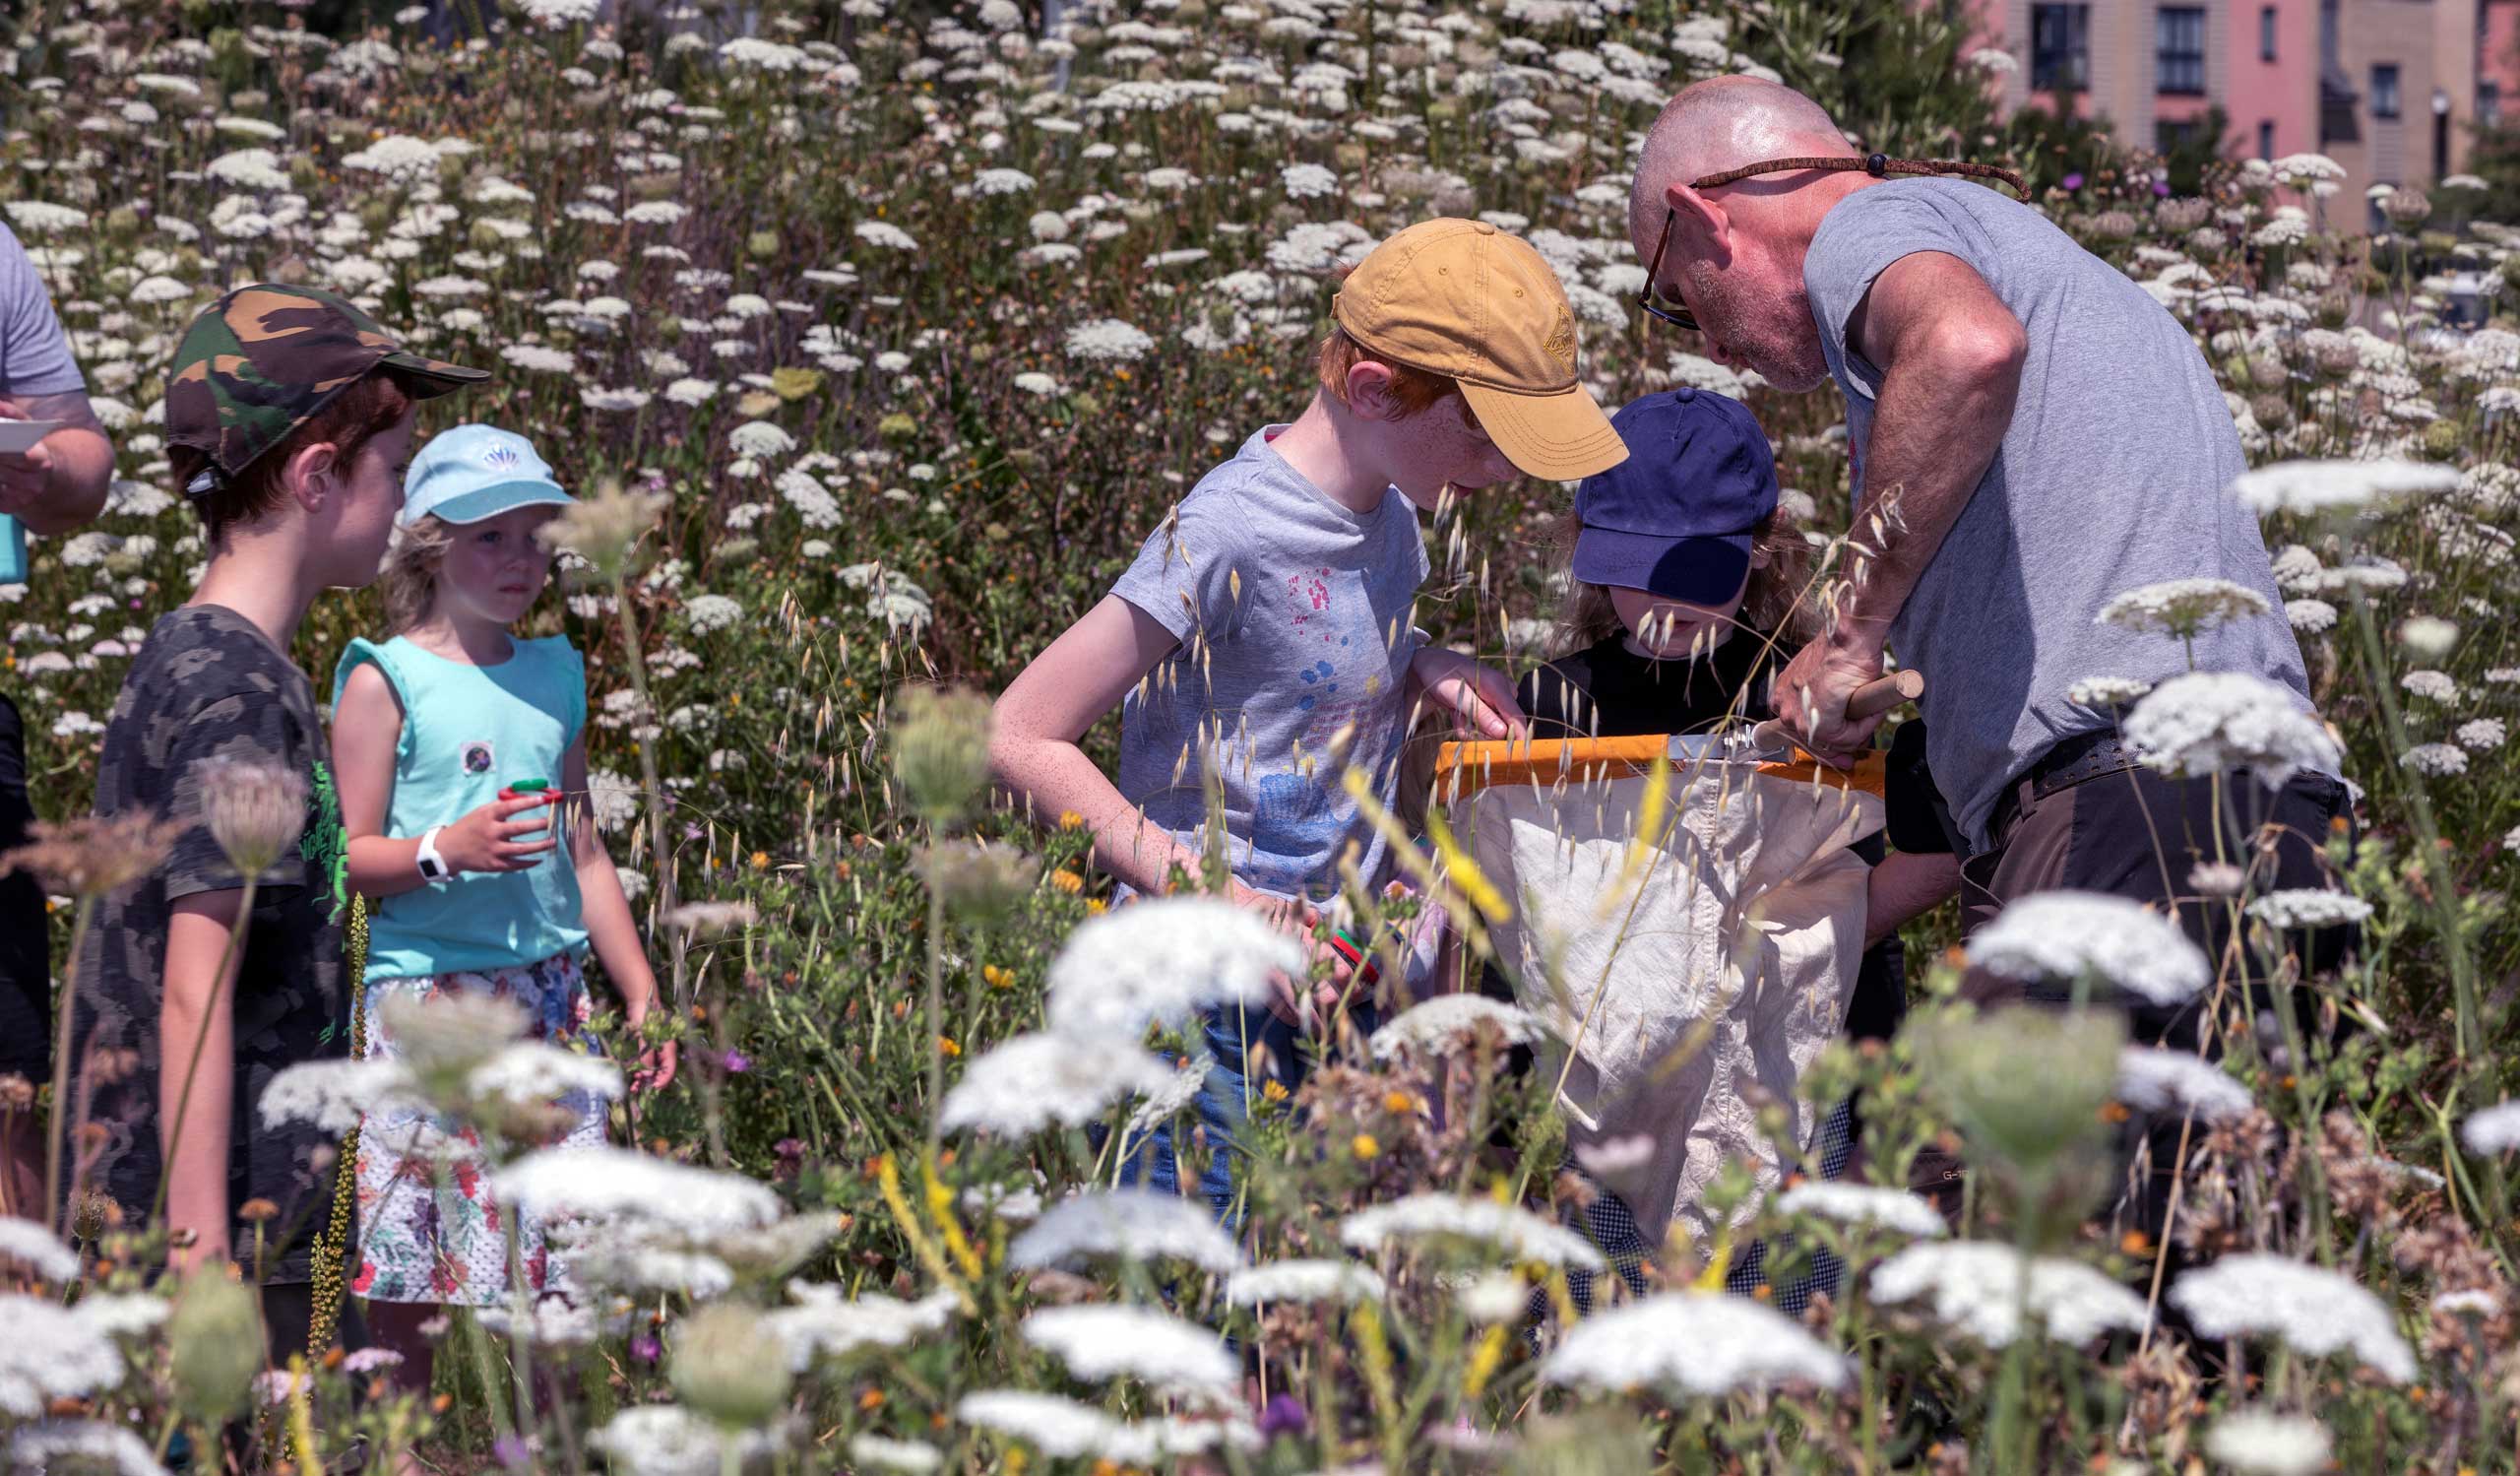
(1718, 124)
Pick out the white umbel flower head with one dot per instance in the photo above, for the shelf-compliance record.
(1448, 1022)
(1060, 1428)
(2183, 607)
(1307, 181)
(1160, 960)
(1695, 1344)
(2177, 1082)
(2207, 721)
(1303, 1281)
(2438, 760)
(1517, 1230)
(2309, 616)
(52, 1353)
(1100, 1342)
(2105, 692)
(617, 1184)
(2497, 1129)
(2309, 907)
(826, 1321)
(529, 1072)
(2264, 1443)
(1132, 1225)
(875, 1452)
(1108, 340)
(82, 1445)
(1973, 1285)
(335, 1095)
(1044, 1077)
(2068, 934)
(2315, 486)
(1863, 1204)
(2312, 1311)
(667, 1439)
(38, 1250)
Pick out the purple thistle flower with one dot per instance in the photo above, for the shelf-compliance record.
(646, 1348)
(736, 1063)
(2072, 182)
(1284, 1414)
(512, 1453)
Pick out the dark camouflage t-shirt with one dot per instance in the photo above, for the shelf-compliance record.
(210, 684)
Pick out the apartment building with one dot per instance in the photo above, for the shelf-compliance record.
(2389, 89)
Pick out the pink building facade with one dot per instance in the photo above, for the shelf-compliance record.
(2390, 88)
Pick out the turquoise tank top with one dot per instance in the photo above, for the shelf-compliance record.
(467, 731)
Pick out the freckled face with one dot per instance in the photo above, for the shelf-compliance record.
(1447, 446)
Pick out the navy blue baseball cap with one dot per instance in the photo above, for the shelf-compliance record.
(1677, 517)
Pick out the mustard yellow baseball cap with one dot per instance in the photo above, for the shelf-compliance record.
(1466, 300)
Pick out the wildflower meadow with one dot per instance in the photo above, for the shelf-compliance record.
(875, 337)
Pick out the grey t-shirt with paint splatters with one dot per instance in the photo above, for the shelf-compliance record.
(1294, 618)
(2112, 475)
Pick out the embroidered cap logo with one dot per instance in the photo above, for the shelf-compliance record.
(500, 458)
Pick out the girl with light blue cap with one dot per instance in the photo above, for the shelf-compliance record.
(451, 741)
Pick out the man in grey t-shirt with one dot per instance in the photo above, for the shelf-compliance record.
(54, 487)
(2054, 438)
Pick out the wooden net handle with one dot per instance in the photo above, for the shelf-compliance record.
(1877, 697)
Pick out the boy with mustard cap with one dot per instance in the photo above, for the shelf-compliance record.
(1262, 639)
(289, 416)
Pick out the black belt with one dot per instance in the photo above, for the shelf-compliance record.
(2072, 761)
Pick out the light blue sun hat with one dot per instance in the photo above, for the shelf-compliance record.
(475, 471)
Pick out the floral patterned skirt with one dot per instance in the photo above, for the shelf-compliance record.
(429, 1230)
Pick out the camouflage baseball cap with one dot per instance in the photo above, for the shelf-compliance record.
(265, 358)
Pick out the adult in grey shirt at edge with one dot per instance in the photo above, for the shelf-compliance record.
(52, 489)
(2055, 438)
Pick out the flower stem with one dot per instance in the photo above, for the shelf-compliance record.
(67, 1009)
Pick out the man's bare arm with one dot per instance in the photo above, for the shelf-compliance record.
(1950, 355)
(60, 486)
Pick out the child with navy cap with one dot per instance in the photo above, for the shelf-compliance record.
(1687, 590)
(452, 742)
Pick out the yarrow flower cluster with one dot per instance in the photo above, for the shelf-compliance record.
(2183, 607)
(2176, 1081)
(1450, 1022)
(1866, 1205)
(2313, 486)
(1524, 1235)
(2309, 907)
(1972, 1288)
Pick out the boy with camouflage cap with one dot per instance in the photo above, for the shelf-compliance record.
(289, 416)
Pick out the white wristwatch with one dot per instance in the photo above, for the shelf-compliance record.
(433, 866)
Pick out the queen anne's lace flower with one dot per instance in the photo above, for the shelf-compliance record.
(1698, 1344)
(1108, 341)
(82, 1446)
(1448, 1022)
(2105, 692)
(52, 1352)
(877, 1452)
(2309, 616)
(1160, 960)
(613, 1182)
(334, 1095)
(826, 1322)
(1059, 1428)
(1973, 1286)
(1307, 181)
(1100, 1342)
(2264, 1443)
(2183, 607)
(529, 1072)
(2066, 935)
(2317, 485)
(1523, 1235)
(1866, 1205)
(2309, 907)
(2480, 735)
(1131, 1225)
(2310, 1309)
(1046, 1078)
(37, 1250)
(2439, 760)
(2208, 722)
(1303, 1281)
(2497, 1129)
(2168, 1081)
(667, 1439)
(2432, 686)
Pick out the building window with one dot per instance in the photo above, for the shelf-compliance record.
(2169, 132)
(2266, 32)
(2178, 50)
(2059, 47)
(2267, 138)
(2384, 91)
(2488, 102)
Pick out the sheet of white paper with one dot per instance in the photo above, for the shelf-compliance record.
(22, 435)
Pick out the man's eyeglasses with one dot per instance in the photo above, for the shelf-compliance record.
(1879, 166)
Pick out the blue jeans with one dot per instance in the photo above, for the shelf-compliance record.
(1224, 1101)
